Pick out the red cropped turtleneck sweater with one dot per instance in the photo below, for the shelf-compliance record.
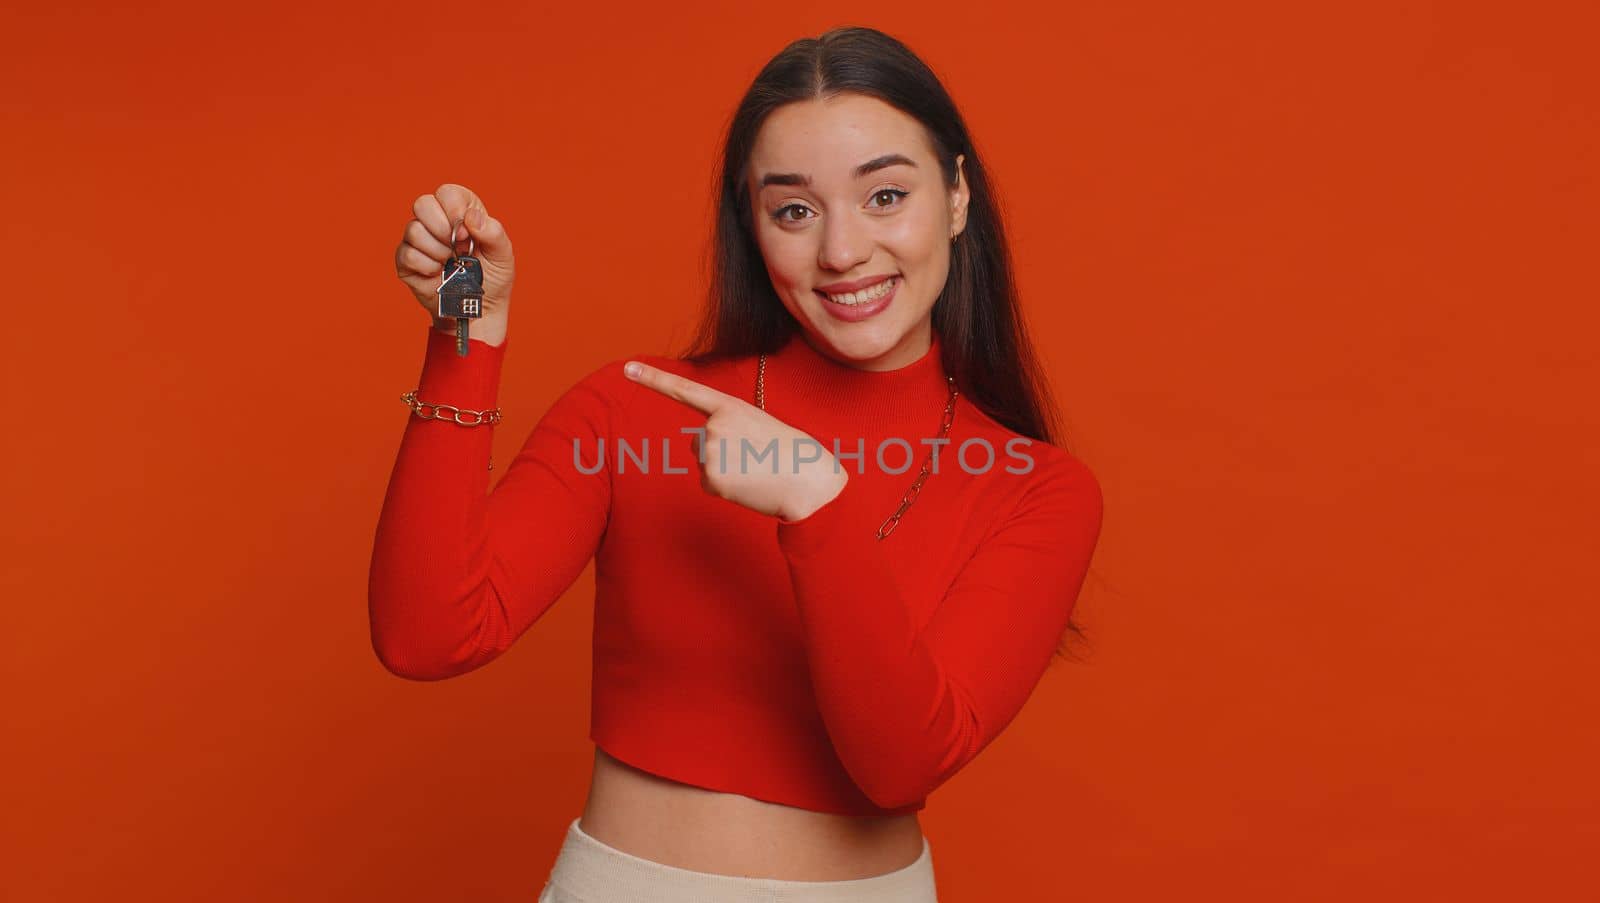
(803, 663)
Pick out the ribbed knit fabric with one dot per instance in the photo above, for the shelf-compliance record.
(803, 663)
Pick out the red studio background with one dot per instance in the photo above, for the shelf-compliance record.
(1307, 281)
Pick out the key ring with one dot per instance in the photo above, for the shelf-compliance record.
(471, 245)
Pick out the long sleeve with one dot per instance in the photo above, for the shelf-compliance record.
(905, 709)
(458, 573)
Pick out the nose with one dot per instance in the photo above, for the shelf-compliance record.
(844, 245)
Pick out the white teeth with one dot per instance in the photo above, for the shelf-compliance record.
(871, 293)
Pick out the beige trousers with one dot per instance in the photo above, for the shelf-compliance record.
(588, 871)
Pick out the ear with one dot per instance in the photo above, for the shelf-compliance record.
(959, 195)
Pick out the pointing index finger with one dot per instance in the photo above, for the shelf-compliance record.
(699, 396)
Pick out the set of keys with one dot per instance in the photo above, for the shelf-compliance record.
(461, 292)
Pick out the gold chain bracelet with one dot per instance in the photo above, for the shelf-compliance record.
(479, 417)
(428, 410)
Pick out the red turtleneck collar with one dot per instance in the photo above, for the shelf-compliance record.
(801, 381)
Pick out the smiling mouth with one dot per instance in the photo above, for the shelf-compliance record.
(870, 293)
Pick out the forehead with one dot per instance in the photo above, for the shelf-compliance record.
(827, 138)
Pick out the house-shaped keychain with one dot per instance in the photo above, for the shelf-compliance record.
(461, 296)
(461, 292)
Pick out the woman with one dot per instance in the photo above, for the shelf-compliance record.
(793, 650)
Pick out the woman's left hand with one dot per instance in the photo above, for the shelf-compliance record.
(800, 484)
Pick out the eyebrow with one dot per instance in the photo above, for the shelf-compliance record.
(871, 166)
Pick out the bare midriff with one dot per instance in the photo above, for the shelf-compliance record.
(689, 827)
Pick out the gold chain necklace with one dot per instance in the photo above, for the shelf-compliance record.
(927, 464)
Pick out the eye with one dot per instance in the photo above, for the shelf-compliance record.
(778, 215)
(894, 192)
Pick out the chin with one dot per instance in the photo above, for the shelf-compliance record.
(860, 342)
(865, 340)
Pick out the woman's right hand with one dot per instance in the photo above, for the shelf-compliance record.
(454, 211)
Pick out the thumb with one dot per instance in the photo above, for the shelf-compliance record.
(493, 245)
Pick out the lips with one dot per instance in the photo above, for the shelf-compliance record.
(863, 304)
(854, 285)
(880, 289)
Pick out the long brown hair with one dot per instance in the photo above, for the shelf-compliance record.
(985, 344)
